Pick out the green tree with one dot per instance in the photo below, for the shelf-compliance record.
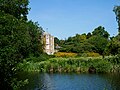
(18, 40)
(113, 46)
(117, 13)
(35, 32)
(83, 47)
(101, 32)
(17, 8)
(14, 44)
(56, 42)
(78, 38)
(99, 43)
(89, 35)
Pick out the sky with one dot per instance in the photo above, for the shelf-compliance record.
(66, 18)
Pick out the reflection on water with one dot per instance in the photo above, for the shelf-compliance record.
(57, 81)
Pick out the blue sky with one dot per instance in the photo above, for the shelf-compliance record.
(65, 18)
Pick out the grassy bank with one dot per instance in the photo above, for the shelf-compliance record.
(79, 64)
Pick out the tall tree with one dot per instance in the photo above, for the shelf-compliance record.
(35, 35)
(117, 13)
(113, 46)
(14, 44)
(18, 39)
(99, 43)
(101, 32)
(56, 41)
(17, 8)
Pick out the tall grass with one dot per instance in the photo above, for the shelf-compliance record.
(81, 64)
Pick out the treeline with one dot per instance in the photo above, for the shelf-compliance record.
(19, 39)
(98, 41)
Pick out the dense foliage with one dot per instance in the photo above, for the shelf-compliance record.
(17, 8)
(96, 42)
(117, 13)
(116, 41)
(71, 64)
(92, 42)
(19, 39)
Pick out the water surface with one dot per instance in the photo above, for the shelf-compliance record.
(45, 81)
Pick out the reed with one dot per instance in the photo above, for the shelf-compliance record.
(78, 64)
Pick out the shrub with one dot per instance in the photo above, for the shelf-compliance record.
(41, 57)
(113, 59)
(102, 65)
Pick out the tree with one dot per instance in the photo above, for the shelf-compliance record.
(14, 39)
(18, 40)
(79, 38)
(89, 35)
(17, 8)
(14, 44)
(100, 31)
(83, 47)
(35, 32)
(56, 41)
(113, 46)
(99, 43)
(117, 13)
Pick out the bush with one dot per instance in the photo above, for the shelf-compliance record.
(113, 59)
(41, 57)
(102, 65)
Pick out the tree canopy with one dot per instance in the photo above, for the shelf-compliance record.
(95, 42)
(17, 8)
(100, 31)
(117, 13)
(19, 39)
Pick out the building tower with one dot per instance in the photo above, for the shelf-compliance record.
(48, 41)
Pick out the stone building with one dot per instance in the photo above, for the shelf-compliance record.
(48, 41)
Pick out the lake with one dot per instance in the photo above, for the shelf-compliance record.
(71, 81)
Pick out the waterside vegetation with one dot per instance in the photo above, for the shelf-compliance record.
(73, 64)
